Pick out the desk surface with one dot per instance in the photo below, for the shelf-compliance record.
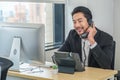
(47, 74)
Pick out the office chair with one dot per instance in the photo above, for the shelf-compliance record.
(118, 75)
(5, 64)
(113, 60)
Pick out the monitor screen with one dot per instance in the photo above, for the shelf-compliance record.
(32, 39)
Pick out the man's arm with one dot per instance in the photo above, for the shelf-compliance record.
(104, 54)
(66, 45)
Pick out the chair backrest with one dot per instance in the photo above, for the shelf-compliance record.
(5, 64)
(113, 60)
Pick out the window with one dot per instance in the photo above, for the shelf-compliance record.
(49, 14)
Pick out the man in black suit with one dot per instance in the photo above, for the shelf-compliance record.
(96, 49)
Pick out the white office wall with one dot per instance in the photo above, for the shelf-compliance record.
(102, 13)
(117, 33)
(49, 23)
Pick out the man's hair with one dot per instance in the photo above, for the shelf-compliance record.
(87, 13)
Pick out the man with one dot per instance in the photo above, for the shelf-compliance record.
(96, 49)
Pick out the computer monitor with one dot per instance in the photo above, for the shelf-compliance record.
(26, 39)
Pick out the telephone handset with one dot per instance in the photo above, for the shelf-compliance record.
(85, 34)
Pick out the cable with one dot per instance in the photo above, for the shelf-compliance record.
(84, 53)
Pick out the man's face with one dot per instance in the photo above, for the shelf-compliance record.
(80, 22)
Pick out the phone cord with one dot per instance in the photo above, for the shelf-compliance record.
(84, 53)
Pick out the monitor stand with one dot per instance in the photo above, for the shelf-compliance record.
(15, 53)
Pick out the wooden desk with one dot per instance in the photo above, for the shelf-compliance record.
(89, 74)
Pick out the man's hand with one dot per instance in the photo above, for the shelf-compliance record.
(92, 32)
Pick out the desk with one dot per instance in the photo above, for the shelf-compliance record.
(47, 74)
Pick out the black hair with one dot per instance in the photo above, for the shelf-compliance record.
(87, 13)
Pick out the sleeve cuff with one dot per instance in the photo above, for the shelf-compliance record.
(94, 45)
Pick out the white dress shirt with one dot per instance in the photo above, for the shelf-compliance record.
(86, 46)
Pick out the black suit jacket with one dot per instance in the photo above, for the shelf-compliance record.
(100, 56)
